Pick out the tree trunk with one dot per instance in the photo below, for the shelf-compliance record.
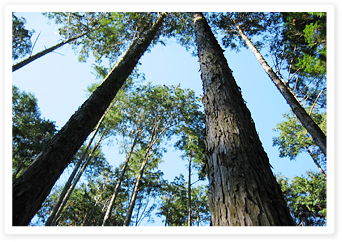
(152, 141)
(242, 188)
(136, 188)
(189, 193)
(112, 201)
(313, 129)
(316, 162)
(44, 52)
(71, 177)
(32, 187)
(72, 187)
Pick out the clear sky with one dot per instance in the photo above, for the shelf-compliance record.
(59, 82)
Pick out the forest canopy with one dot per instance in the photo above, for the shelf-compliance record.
(221, 150)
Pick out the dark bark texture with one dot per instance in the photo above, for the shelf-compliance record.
(33, 186)
(242, 188)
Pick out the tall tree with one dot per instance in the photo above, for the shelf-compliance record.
(163, 109)
(243, 190)
(28, 191)
(250, 24)
(315, 131)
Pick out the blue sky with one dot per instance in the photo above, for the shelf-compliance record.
(59, 82)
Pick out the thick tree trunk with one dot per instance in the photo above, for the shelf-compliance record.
(242, 188)
(44, 52)
(31, 188)
(118, 184)
(71, 177)
(313, 129)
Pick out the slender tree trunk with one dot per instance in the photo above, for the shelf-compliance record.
(314, 130)
(72, 187)
(44, 52)
(71, 177)
(242, 188)
(316, 163)
(136, 187)
(31, 188)
(189, 193)
(118, 184)
(152, 141)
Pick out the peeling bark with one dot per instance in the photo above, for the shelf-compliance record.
(31, 188)
(242, 188)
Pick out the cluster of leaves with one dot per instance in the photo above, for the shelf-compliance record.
(174, 204)
(306, 31)
(30, 132)
(21, 38)
(306, 198)
(294, 139)
(261, 26)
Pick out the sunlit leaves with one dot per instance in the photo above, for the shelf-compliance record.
(306, 198)
(174, 204)
(293, 138)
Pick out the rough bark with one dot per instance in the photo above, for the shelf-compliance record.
(313, 129)
(31, 188)
(242, 188)
(44, 52)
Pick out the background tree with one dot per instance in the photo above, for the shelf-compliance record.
(294, 139)
(21, 38)
(174, 204)
(306, 198)
(30, 132)
(192, 143)
(27, 198)
(164, 109)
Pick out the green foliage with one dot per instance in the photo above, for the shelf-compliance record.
(174, 204)
(256, 25)
(30, 133)
(307, 31)
(21, 38)
(293, 137)
(191, 140)
(306, 198)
